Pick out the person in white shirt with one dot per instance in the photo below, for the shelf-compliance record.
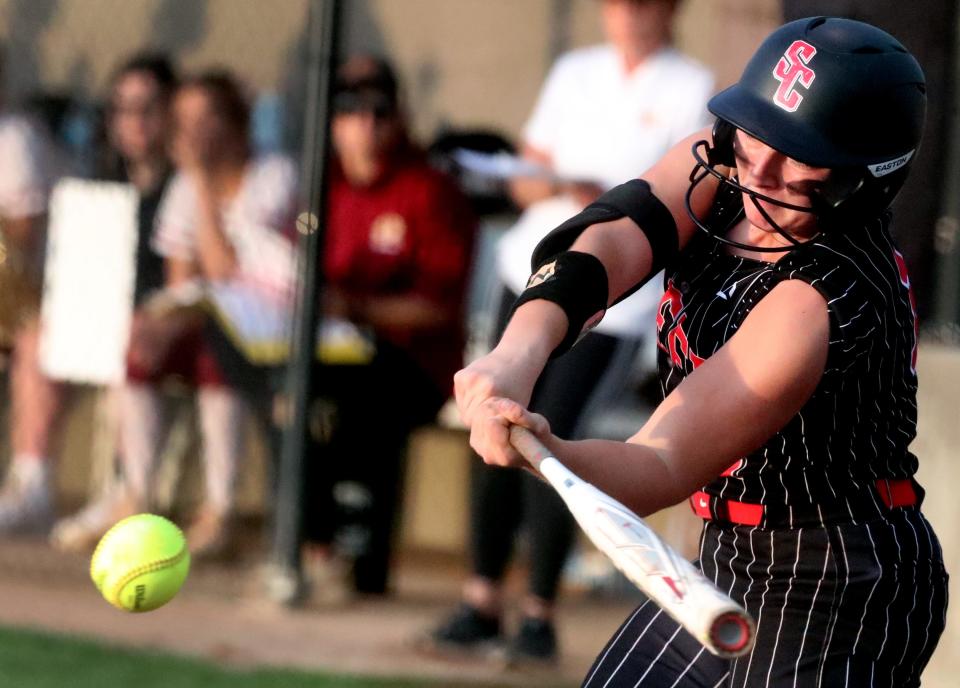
(224, 226)
(603, 116)
(27, 171)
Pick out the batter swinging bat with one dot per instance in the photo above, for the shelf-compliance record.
(694, 602)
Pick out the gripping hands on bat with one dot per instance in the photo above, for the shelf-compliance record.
(505, 433)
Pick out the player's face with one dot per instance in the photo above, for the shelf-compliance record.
(762, 169)
(139, 117)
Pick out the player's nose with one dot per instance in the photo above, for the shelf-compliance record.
(764, 169)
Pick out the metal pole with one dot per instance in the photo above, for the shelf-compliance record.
(947, 236)
(284, 583)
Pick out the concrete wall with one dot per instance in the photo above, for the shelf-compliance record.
(938, 446)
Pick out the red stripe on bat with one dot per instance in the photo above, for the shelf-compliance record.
(673, 586)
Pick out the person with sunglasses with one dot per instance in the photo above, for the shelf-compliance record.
(397, 254)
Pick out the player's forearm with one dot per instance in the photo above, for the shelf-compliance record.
(624, 251)
(633, 474)
(511, 370)
(534, 331)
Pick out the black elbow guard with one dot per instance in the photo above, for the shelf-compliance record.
(577, 282)
(633, 199)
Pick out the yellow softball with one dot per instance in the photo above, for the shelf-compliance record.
(140, 563)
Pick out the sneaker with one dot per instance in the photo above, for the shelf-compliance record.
(82, 531)
(210, 536)
(467, 629)
(536, 640)
(26, 506)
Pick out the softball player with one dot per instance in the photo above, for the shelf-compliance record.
(787, 338)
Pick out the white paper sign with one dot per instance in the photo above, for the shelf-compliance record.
(89, 281)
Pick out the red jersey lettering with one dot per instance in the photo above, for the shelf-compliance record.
(671, 317)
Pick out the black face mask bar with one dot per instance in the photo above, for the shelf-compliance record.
(755, 198)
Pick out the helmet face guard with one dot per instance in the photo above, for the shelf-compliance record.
(707, 161)
(828, 92)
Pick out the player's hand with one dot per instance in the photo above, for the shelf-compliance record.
(490, 431)
(497, 374)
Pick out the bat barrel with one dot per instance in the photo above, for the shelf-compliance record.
(731, 634)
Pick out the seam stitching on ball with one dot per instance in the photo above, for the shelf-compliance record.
(146, 568)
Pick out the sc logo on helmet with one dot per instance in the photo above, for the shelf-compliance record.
(791, 70)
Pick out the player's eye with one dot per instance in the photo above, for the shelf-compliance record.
(739, 154)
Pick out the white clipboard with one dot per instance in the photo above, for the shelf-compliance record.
(89, 281)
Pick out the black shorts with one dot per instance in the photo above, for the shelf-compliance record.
(846, 605)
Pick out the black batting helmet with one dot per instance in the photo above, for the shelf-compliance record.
(829, 92)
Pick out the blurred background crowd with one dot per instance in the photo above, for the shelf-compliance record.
(460, 133)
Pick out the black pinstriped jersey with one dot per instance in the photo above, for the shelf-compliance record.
(859, 423)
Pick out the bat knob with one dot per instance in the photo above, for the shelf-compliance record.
(732, 634)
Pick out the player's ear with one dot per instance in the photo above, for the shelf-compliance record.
(721, 152)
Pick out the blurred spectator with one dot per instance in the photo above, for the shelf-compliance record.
(398, 244)
(604, 115)
(217, 224)
(26, 177)
(136, 151)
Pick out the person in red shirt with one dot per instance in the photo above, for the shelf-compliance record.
(397, 255)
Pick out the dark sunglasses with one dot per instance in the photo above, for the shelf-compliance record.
(355, 102)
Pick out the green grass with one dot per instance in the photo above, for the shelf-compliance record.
(30, 659)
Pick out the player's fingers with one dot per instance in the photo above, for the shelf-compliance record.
(519, 415)
(490, 438)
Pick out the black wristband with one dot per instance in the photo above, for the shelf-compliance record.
(575, 281)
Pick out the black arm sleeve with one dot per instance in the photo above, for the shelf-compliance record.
(633, 199)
